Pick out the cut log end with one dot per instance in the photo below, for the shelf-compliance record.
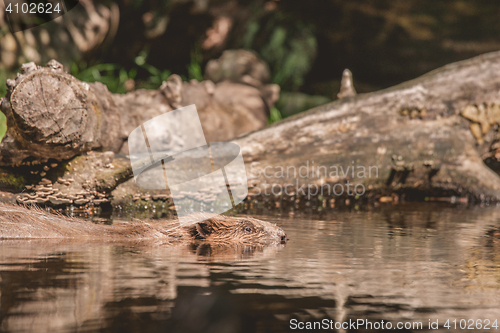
(52, 108)
(51, 114)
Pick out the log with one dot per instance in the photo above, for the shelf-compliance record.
(88, 179)
(426, 137)
(52, 115)
(417, 140)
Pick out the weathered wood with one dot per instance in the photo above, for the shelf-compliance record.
(413, 134)
(85, 180)
(50, 114)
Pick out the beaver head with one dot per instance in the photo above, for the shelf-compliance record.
(245, 230)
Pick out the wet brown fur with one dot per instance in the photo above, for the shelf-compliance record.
(21, 223)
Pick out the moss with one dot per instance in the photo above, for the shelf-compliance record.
(9, 179)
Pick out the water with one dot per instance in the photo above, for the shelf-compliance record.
(405, 264)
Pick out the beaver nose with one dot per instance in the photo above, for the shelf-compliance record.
(283, 239)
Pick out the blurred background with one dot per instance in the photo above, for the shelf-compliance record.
(131, 44)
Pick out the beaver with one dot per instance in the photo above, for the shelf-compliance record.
(18, 222)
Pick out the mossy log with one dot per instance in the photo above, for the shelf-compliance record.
(428, 137)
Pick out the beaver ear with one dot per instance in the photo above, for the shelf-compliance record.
(204, 229)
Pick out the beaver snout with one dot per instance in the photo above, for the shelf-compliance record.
(284, 239)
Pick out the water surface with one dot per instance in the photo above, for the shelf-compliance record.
(400, 264)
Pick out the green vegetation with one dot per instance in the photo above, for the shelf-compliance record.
(112, 75)
(3, 79)
(3, 125)
(156, 76)
(274, 115)
(194, 67)
(291, 57)
(7, 178)
(287, 45)
(116, 77)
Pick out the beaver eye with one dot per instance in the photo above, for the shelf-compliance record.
(248, 229)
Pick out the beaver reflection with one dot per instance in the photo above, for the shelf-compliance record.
(222, 252)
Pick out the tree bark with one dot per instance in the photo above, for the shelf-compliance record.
(86, 179)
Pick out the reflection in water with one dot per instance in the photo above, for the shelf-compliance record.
(401, 263)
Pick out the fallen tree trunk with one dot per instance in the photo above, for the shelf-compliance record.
(426, 137)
